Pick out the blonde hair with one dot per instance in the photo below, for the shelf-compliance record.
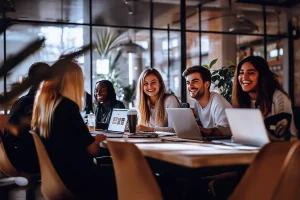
(69, 83)
(143, 100)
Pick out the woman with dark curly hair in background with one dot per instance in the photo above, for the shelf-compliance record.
(105, 100)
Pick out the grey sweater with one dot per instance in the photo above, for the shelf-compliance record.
(171, 102)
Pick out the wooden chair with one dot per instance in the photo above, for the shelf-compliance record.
(3, 120)
(52, 186)
(288, 186)
(134, 178)
(5, 165)
(7, 168)
(262, 176)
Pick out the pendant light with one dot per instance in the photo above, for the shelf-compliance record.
(243, 25)
(129, 46)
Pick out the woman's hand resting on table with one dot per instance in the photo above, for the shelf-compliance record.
(141, 127)
(99, 138)
(94, 148)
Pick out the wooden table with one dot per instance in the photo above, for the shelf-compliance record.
(192, 155)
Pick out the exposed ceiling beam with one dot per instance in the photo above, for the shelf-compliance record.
(279, 3)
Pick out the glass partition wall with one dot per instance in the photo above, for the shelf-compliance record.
(148, 34)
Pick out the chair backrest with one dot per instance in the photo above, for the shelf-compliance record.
(262, 176)
(288, 186)
(296, 112)
(134, 178)
(52, 186)
(3, 120)
(5, 165)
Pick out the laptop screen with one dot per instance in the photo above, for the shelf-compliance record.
(247, 126)
(118, 120)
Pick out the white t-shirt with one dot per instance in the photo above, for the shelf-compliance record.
(281, 103)
(170, 102)
(213, 114)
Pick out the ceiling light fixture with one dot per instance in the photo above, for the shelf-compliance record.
(130, 47)
(130, 12)
(243, 25)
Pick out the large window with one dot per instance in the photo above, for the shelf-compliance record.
(167, 59)
(59, 40)
(67, 25)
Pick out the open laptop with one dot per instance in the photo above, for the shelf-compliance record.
(116, 125)
(185, 125)
(247, 127)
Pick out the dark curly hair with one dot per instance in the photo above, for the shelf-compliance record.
(111, 93)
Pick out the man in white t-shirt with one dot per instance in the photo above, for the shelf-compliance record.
(209, 106)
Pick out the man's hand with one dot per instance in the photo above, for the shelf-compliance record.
(210, 131)
(99, 138)
(140, 127)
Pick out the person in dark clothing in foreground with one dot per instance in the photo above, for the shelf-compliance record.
(88, 103)
(71, 147)
(18, 142)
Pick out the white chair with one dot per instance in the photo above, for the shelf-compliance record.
(134, 178)
(288, 186)
(261, 178)
(52, 186)
(5, 165)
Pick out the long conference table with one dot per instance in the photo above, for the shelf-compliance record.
(190, 154)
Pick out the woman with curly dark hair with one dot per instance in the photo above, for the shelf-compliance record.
(105, 100)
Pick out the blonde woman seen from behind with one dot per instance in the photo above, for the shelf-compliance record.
(152, 101)
(57, 119)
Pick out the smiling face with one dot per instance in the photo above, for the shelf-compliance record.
(195, 85)
(101, 92)
(248, 77)
(151, 86)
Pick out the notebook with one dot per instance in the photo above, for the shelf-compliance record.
(247, 127)
(116, 125)
(185, 125)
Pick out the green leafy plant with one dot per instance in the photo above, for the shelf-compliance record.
(222, 79)
(106, 44)
(107, 40)
(129, 92)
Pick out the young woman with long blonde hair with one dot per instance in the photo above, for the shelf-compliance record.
(56, 118)
(152, 101)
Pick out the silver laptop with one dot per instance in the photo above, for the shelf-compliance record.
(185, 125)
(247, 127)
(116, 125)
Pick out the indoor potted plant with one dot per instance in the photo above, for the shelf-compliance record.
(106, 44)
(222, 79)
